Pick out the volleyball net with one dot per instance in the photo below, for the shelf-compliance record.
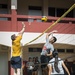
(52, 25)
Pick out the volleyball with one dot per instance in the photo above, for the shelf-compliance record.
(44, 18)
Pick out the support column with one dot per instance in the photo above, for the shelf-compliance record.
(14, 15)
(45, 7)
(13, 22)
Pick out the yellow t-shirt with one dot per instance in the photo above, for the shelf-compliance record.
(16, 46)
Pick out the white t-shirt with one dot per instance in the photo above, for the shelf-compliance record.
(46, 46)
(30, 65)
(59, 66)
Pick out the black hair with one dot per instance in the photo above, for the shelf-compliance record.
(55, 55)
(30, 58)
(55, 39)
(13, 37)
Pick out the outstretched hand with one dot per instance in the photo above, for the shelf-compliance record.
(23, 24)
(54, 31)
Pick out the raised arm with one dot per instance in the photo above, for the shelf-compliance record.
(66, 68)
(48, 34)
(23, 29)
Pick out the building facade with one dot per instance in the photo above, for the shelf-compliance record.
(13, 12)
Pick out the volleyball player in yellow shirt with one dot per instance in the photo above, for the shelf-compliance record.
(16, 51)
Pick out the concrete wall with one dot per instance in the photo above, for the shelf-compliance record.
(3, 1)
(23, 5)
(61, 3)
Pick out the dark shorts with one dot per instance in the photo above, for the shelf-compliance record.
(44, 61)
(16, 62)
(29, 72)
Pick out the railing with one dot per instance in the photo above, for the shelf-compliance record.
(35, 18)
(5, 16)
(50, 19)
(11, 22)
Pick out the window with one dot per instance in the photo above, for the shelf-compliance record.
(35, 49)
(60, 12)
(3, 10)
(3, 6)
(51, 11)
(35, 10)
(69, 50)
(70, 14)
(61, 50)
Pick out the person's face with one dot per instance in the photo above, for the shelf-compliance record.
(15, 37)
(31, 60)
(52, 40)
